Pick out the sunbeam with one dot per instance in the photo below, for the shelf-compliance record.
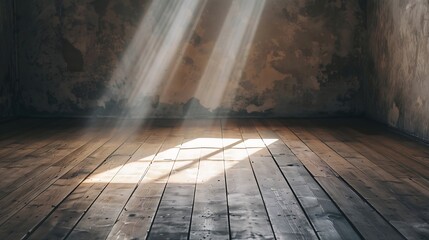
(158, 42)
(226, 63)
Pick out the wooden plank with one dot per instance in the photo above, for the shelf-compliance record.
(20, 197)
(62, 220)
(138, 214)
(417, 152)
(16, 129)
(419, 184)
(357, 211)
(287, 218)
(42, 144)
(247, 214)
(37, 162)
(29, 217)
(173, 217)
(392, 139)
(23, 169)
(407, 162)
(373, 191)
(210, 213)
(361, 214)
(326, 142)
(174, 213)
(101, 216)
(29, 141)
(328, 221)
(358, 181)
(9, 128)
(397, 169)
(407, 195)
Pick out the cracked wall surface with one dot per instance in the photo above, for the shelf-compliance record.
(7, 60)
(305, 60)
(398, 79)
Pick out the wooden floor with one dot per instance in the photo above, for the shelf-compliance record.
(211, 179)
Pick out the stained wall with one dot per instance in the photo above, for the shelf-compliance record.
(8, 84)
(397, 88)
(306, 59)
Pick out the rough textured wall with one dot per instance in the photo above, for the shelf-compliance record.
(7, 60)
(304, 60)
(398, 81)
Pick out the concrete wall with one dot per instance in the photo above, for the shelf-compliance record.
(7, 60)
(305, 60)
(398, 78)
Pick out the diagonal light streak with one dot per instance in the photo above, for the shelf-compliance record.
(226, 63)
(145, 64)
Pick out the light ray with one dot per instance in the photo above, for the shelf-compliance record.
(162, 34)
(226, 63)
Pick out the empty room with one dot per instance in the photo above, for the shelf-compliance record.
(214, 119)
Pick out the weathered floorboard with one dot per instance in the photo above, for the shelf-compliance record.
(211, 179)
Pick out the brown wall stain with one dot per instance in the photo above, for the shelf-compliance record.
(305, 60)
(398, 77)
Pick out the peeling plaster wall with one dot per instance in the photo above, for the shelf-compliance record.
(398, 77)
(7, 60)
(305, 59)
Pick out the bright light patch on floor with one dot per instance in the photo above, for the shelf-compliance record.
(187, 158)
(212, 154)
(253, 150)
(210, 142)
(103, 177)
(269, 141)
(165, 154)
